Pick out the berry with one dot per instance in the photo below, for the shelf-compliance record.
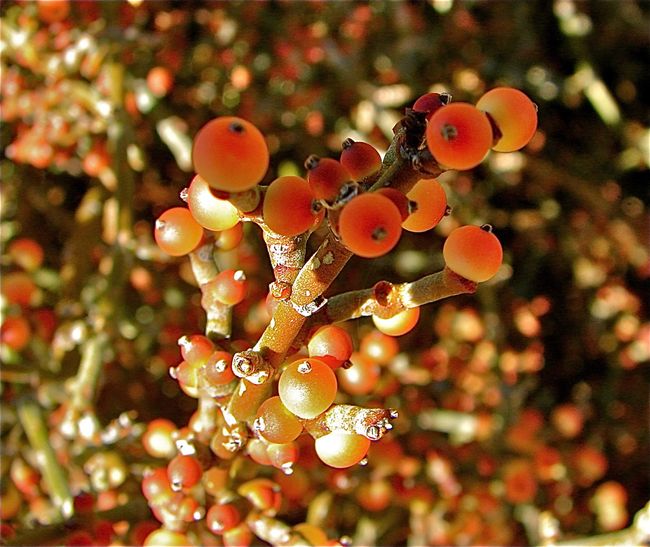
(398, 324)
(361, 378)
(26, 252)
(276, 423)
(176, 232)
(183, 471)
(473, 252)
(378, 347)
(370, 225)
(513, 113)
(288, 206)
(222, 517)
(339, 449)
(230, 154)
(431, 205)
(330, 344)
(430, 102)
(160, 81)
(208, 210)
(459, 136)
(307, 387)
(158, 439)
(228, 287)
(15, 332)
(360, 159)
(218, 368)
(326, 176)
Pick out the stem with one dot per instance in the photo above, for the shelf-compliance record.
(85, 384)
(386, 300)
(218, 314)
(33, 423)
(369, 422)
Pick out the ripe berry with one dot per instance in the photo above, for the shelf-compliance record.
(288, 206)
(430, 102)
(398, 324)
(459, 136)
(360, 159)
(307, 387)
(370, 225)
(183, 471)
(514, 114)
(339, 449)
(330, 344)
(276, 423)
(430, 206)
(208, 210)
(230, 154)
(473, 252)
(326, 176)
(176, 232)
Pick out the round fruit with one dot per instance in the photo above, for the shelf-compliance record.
(513, 113)
(325, 177)
(230, 154)
(288, 206)
(370, 225)
(459, 136)
(339, 449)
(360, 159)
(473, 252)
(398, 324)
(209, 211)
(176, 232)
(431, 205)
(331, 344)
(275, 423)
(307, 387)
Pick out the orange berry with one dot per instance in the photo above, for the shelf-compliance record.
(473, 252)
(230, 154)
(459, 136)
(370, 225)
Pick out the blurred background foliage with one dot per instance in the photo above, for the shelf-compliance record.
(99, 103)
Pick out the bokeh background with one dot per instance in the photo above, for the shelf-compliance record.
(528, 398)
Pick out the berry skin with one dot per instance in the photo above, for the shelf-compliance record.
(326, 176)
(230, 154)
(288, 206)
(459, 136)
(222, 517)
(338, 449)
(473, 252)
(176, 232)
(431, 205)
(209, 211)
(228, 287)
(361, 378)
(275, 423)
(399, 324)
(307, 387)
(430, 102)
(330, 344)
(360, 159)
(183, 472)
(514, 114)
(370, 225)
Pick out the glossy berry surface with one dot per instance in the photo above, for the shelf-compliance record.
(331, 344)
(430, 206)
(370, 225)
(514, 114)
(176, 232)
(459, 136)
(339, 449)
(473, 252)
(307, 387)
(276, 423)
(326, 176)
(288, 206)
(231, 154)
(360, 159)
(208, 210)
(398, 324)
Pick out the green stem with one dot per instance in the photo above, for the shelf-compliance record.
(33, 423)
